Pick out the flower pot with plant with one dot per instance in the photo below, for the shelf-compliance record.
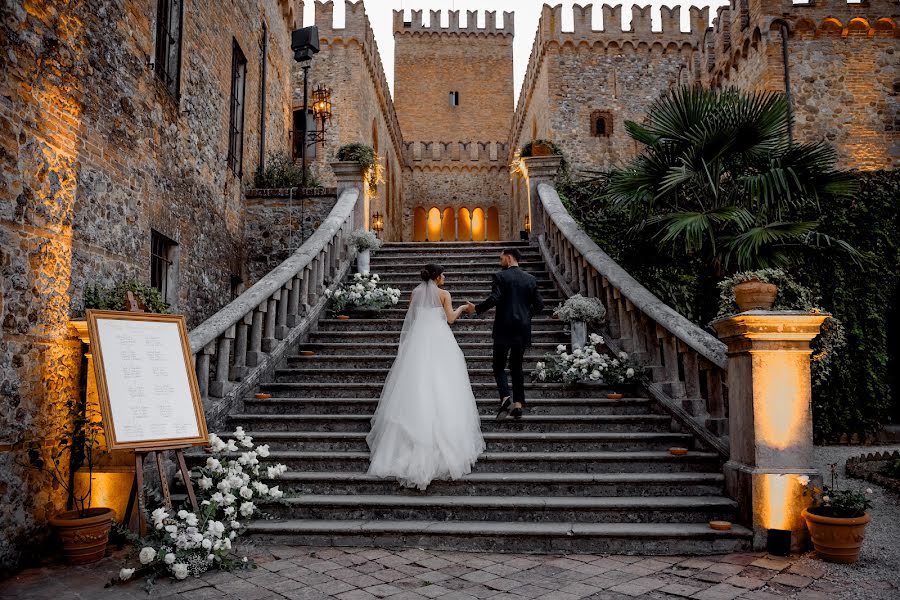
(581, 313)
(368, 159)
(751, 290)
(836, 519)
(82, 529)
(364, 243)
(589, 364)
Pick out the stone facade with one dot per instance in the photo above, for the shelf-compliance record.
(95, 152)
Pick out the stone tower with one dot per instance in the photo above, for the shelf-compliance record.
(453, 83)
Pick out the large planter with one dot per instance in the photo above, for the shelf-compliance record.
(363, 259)
(755, 295)
(579, 334)
(836, 540)
(83, 539)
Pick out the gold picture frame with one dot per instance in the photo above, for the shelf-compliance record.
(112, 408)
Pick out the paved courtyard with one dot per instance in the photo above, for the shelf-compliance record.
(413, 574)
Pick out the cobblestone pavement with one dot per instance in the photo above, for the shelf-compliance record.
(367, 574)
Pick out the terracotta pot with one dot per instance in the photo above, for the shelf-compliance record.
(755, 295)
(307, 353)
(615, 396)
(720, 525)
(343, 318)
(83, 539)
(678, 451)
(263, 396)
(835, 539)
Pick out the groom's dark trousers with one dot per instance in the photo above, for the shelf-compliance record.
(515, 295)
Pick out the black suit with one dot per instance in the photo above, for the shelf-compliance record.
(515, 295)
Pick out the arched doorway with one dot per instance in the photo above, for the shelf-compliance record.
(493, 224)
(434, 225)
(478, 225)
(448, 229)
(420, 217)
(464, 225)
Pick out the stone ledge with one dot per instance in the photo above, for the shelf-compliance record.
(868, 467)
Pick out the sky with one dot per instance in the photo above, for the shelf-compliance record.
(528, 13)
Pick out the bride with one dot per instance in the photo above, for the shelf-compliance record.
(426, 425)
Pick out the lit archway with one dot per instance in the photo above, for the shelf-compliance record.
(419, 224)
(448, 228)
(464, 225)
(478, 225)
(493, 224)
(434, 225)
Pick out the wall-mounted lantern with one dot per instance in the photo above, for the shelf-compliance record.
(377, 223)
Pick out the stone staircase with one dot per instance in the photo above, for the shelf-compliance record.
(579, 473)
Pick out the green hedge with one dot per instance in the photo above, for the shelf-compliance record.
(861, 392)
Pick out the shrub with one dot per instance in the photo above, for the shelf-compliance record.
(366, 157)
(282, 172)
(98, 297)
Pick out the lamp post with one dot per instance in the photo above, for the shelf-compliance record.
(305, 44)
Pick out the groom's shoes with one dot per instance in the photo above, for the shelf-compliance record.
(516, 412)
(505, 405)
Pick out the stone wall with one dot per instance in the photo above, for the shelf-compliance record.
(363, 111)
(432, 61)
(842, 69)
(574, 76)
(277, 223)
(94, 153)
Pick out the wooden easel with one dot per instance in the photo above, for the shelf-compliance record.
(137, 485)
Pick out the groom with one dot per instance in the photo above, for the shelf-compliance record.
(515, 294)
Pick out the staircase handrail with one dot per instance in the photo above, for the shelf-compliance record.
(251, 334)
(677, 352)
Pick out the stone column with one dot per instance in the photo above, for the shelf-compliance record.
(539, 169)
(352, 175)
(770, 418)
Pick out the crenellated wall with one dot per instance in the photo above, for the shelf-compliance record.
(350, 64)
(574, 77)
(841, 73)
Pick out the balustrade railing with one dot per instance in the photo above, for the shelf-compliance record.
(687, 365)
(249, 336)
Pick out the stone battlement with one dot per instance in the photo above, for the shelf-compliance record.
(551, 28)
(436, 152)
(417, 24)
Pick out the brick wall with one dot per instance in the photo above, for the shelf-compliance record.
(96, 152)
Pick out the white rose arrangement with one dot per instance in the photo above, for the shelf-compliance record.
(579, 308)
(589, 363)
(363, 291)
(229, 487)
(361, 240)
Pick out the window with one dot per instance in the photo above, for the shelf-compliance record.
(163, 265)
(168, 44)
(236, 122)
(454, 98)
(301, 135)
(601, 123)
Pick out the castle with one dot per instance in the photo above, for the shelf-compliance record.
(130, 131)
(453, 133)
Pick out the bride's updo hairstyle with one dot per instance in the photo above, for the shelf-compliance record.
(431, 272)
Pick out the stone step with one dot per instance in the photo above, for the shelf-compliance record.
(537, 349)
(533, 391)
(528, 423)
(503, 441)
(349, 361)
(458, 286)
(513, 484)
(424, 257)
(463, 274)
(486, 406)
(389, 265)
(362, 375)
(462, 336)
(501, 536)
(518, 509)
(389, 323)
(649, 461)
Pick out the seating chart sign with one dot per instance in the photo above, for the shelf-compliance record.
(149, 397)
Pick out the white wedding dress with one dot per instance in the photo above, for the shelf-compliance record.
(426, 425)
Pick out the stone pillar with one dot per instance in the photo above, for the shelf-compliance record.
(770, 418)
(352, 175)
(538, 170)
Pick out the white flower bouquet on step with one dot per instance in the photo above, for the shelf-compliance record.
(229, 488)
(362, 291)
(580, 308)
(361, 240)
(589, 363)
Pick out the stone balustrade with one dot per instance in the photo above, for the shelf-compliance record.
(687, 365)
(250, 335)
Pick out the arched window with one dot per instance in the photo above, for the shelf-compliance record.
(434, 225)
(493, 224)
(419, 224)
(464, 225)
(601, 123)
(478, 225)
(448, 228)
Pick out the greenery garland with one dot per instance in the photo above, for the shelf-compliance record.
(366, 157)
